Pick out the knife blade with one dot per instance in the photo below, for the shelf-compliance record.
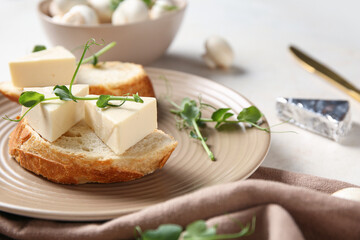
(314, 66)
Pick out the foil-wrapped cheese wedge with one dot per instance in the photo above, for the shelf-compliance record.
(329, 118)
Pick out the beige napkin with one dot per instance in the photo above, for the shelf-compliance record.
(286, 205)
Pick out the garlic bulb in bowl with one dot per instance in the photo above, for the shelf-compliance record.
(161, 8)
(103, 9)
(142, 42)
(60, 7)
(80, 15)
(130, 11)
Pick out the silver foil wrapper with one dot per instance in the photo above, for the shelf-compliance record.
(329, 118)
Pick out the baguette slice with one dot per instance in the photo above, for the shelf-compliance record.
(10, 91)
(79, 156)
(108, 78)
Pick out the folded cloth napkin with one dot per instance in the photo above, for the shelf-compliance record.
(286, 206)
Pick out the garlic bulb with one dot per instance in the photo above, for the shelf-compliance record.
(218, 53)
(130, 11)
(161, 8)
(60, 7)
(350, 193)
(80, 15)
(57, 18)
(103, 10)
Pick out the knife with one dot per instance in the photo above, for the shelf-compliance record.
(312, 65)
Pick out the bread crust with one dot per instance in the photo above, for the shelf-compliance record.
(141, 85)
(69, 169)
(12, 93)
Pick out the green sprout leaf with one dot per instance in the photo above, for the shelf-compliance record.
(198, 230)
(195, 136)
(38, 48)
(250, 115)
(137, 98)
(221, 115)
(149, 3)
(30, 98)
(63, 93)
(190, 112)
(103, 101)
(164, 232)
(114, 4)
(95, 60)
(170, 8)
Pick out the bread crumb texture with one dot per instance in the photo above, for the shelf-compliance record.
(79, 156)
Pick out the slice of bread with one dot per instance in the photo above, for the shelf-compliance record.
(110, 78)
(10, 91)
(79, 156)
(116, 78)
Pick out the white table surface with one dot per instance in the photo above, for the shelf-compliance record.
(260, 32)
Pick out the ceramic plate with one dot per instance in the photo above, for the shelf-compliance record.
(239, 152)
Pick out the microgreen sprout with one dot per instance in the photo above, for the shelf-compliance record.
(38, 48)
(31, 99)
(190, 113)
(194, 231)
(170, 8)
(94, 58)
(190, 116)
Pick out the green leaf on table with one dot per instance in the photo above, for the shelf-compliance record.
(250, 114)
(163, 232)
(63, 93)
(198, 230)
(30, 98)
(38, 48)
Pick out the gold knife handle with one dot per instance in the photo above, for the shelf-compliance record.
(314, 66)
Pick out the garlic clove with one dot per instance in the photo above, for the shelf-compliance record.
(118, 17)
(161, 8)
(208, 61)
(350, 193)
(103, 10)
(80, 15)
(219, 51)
(130, 11)
(60, 7)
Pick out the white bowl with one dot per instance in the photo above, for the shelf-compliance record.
(141, 42)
